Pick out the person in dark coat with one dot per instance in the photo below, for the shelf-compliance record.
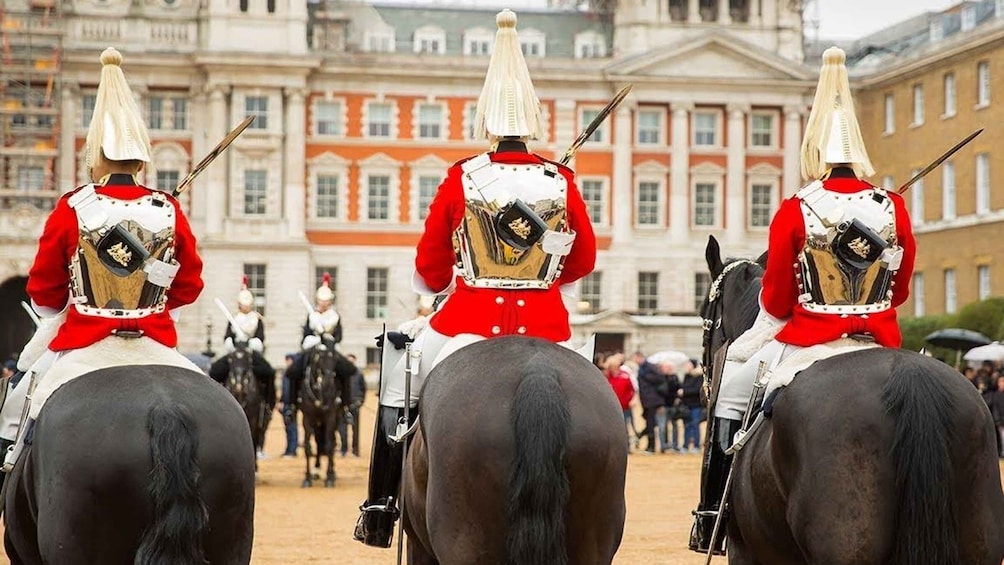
(692, 383)
(653, 391)
(357, 396)
(995, 400)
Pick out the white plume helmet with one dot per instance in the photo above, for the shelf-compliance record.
(832, 134)
(324, 291)
(117, 126)
(508, 106)
(244, 297)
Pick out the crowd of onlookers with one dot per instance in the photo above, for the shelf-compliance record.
(668, 396)
(988, 378)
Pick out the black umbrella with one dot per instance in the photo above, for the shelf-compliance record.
(957, 338)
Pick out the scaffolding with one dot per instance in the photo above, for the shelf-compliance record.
(30, 51)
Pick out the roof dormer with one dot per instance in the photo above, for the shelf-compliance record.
(430, 39)
(478, 41)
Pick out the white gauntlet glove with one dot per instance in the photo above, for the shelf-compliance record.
(414, 327)
(228, 346)
(255, 344)
(310, 341)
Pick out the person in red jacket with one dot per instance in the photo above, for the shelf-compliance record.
(506, 230)
(115, 260)
(840, 259)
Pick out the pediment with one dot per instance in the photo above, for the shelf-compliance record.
(613, 320)
(707, 168)
(379, 160)
(328, 159)
(430, 162)
(764, 170)
(713, 56)
(651, 167)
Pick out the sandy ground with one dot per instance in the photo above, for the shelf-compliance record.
(294, 525)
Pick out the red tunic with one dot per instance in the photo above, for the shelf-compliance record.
(49, 278)
(491, 312)
(620, 381)
(780, 288)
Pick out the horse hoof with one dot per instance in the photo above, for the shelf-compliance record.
(307, 483)
(329, 483)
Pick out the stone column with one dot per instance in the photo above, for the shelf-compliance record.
(67, 168)
(294, 191)
(735, 176)
(679, 181)
(199, 193)
(621, 189)
(792, 172)
(693, 11)
(216, 175)
(724, 16)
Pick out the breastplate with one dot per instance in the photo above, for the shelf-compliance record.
(124, 262)
(507, 210)
(850, 254)
(248, 323)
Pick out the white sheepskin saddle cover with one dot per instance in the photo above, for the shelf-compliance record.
(802, 357)
(111, 351)
(460, 341)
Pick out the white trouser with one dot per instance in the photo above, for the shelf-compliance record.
(738, 378)
(424, 350)
(17, 397)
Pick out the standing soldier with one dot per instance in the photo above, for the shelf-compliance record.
(250, 333)
(839, 262)
(115, 260)
(515, 227)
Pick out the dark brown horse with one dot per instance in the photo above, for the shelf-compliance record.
(243, 385)
(322, 401)
(151, 465)
(877, 456)
(520, 459)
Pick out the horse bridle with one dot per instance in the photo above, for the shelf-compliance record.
(712, 321)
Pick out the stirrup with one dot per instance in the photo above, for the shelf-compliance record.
(10, 458)
(389, 507)
(375, 526)
(701, 532)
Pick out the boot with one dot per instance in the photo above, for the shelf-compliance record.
(375, 526)
(714, 474)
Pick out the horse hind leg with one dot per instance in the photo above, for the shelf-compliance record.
(308, 480)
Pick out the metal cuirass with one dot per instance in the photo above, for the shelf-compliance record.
(850, 254)
(510, 212)
(247, 323)
(124, 262)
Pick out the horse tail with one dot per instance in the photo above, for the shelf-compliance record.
(180, 518)
(921, 402)
(538, 482)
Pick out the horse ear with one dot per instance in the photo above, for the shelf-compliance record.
(762, 260)
(713, 255)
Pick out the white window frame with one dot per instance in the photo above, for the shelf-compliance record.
(470, 110)
(660, 132)
(340, 122)
(889, 107)
(604, 203)
(168, 156)
(951, 292)
(702, 284)
(86, 114)
(771, 203)
(983, 289)
(30, 178)
(708, 173)
(717, 116)
(380, 165)
(244, 194)
(394, 113)
(968, 17)
(936, 30)
(917, 200)
(476, 38)
(773, 133)
(328, 164)
(982, 84)
(377, 295)
(716, 204)
(258, 124)
(638, 297)
(591, 291)
(951, 95)
(602, 134)
(918, 105)
(444, 125)
(660, 203)
(590, 45)
(257, 283)
(533, 37)
(375, 40)
(917, 291)
(429, 166)
(949, 209)
(429, 36)
(159, 114)
(983, 185)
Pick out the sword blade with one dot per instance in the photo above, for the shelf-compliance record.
(593, 125)
(220, 147)
(934, 164)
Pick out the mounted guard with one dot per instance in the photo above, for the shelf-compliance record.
(839, 262)
(506, 229)
(246, 329)
(115, 262)
(323, 324)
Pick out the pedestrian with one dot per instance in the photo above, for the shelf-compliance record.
(288, 407)
(693, 381)
(620, 381)
(357, 395)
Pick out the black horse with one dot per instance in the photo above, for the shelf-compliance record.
(877, 456)
(520, 457)
(243, 385)
(146, 464)
(323, 398)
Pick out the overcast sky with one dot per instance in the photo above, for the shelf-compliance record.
(838, 19)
